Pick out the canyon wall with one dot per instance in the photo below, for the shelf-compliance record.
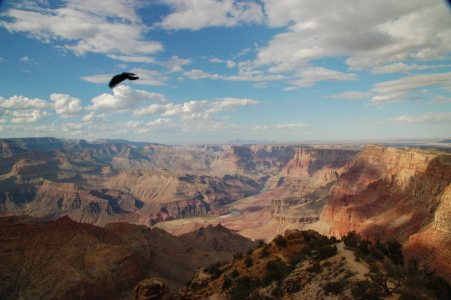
(397, 193)
(64, 259)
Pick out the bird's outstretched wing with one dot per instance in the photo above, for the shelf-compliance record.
(121, 77)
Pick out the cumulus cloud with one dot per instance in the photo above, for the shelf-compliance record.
(23, 103)
(424, 118)
(65, 105)
(226, 104)
(26, 116)
(93, 117)
(369, 33)
(397, 90)
(124, 98)
(197, 14)
(195, 109)
(83, 26)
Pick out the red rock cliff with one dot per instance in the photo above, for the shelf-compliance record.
(397, 193)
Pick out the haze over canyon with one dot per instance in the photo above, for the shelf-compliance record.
(139, 210)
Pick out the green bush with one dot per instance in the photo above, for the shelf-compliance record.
(366, 290)
(336, 287)
(280, 241)
(235, 273)
(277, 270)
(248, 262)
(227, 283)
(243, 287)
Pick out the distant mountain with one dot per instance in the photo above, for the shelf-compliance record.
(121, 141)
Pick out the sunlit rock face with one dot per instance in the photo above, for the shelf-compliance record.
(397, 193)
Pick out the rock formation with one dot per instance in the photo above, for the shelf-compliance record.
(397, 193)
(64, 259)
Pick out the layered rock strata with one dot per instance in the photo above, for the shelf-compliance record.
(64, 259)
(397, 193)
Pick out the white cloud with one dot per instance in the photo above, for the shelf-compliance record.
(133, 58)
(161, 123)
(124, 98)
(26, 59)
(441, 99)
(93, 117)
(370, 33)
(243, 75)
(102, 78)
(402, 67)
(397, 90)
(280, 126)
(314, 74)
(424, 118)
(175, 63)
(27, 116)
(65, 105)
(197, 14)
(229, 63)
(226, 104)
(199, 74)
(149, 77)
(351, 95)
(23, 103)
(195, 109)
(84, 26)
(146, 77)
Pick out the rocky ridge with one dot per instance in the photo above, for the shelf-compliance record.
(64, 259)
(397, 193)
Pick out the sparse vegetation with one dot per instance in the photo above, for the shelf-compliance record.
(386, 262)
(307, 253)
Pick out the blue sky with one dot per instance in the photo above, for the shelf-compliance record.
(213, 71)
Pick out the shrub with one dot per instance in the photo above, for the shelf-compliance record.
(265, 252)
(227, 283)
(277, 269)
(325, 252)
(248, 262)
(235, 273)
(352, 239)
(242, 289)
(315, 268)
(365, 290)
(336, 287)
(238, 256)
(280, 241)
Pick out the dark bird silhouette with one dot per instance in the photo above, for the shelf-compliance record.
(121, 77)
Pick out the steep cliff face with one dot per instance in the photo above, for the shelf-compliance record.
(308, 169)
(397, 193)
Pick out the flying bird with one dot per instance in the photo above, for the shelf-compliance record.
(121, 77)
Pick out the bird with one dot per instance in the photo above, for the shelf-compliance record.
(121, 77)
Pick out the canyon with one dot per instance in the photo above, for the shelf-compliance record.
(256, 191)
